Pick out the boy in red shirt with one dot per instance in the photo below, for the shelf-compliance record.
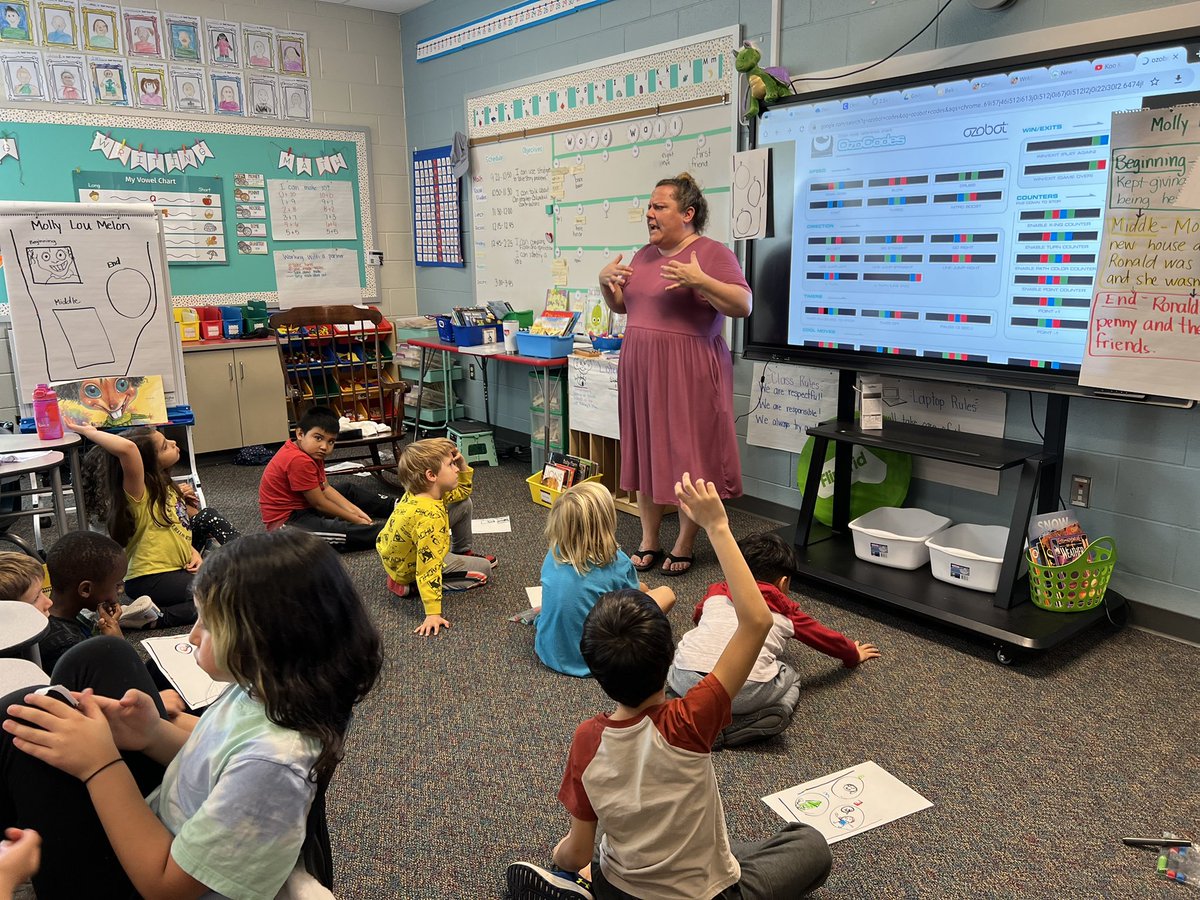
(765, 705)
(642, 775)
(294, 492)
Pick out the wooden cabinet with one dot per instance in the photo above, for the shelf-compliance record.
(237, 397)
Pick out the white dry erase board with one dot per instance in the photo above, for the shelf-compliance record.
(88, 294)
(561, 168)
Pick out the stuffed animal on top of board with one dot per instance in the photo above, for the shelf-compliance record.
(111, 397)
(766, 85)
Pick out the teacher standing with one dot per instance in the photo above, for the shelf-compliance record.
(675, 380)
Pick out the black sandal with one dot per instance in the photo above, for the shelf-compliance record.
(647, 565)
(671, 560)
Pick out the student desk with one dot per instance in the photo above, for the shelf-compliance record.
(21, 627)
(70, 443)
(46, 461)
(539, 365)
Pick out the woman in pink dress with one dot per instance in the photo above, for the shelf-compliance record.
(675, 379)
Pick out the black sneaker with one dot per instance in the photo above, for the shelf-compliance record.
(529, 882)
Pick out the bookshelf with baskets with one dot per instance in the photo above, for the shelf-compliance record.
(1011, 621)
(346, 367)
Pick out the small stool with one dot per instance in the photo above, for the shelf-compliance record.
(474, 441)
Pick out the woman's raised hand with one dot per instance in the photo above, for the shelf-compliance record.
(684, 274)
(614, 275)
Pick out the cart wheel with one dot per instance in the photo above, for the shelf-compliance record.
(1007, 654)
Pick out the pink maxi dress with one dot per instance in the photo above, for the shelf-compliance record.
(675, 379)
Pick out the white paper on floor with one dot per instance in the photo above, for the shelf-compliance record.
(848, 802)
(494, 525)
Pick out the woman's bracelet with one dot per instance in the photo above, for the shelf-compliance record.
(103, 767)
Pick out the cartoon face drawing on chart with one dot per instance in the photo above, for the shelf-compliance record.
(24, 77)
(52, 265)
(68, 89)
(258, 54)
(189, 90)
(296, 102)
(291, 58)
(13, 28)
(151, 91)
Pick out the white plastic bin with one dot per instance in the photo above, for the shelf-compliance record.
(968, 555)
(895, 536)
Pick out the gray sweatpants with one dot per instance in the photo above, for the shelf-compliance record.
(782, 690)
(790, 864)
(456, 565)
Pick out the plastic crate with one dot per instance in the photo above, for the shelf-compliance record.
(546, 494)
(894, 536)
(544, 346)
(538, 384)
(537, 430)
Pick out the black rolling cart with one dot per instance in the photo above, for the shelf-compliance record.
(1009, 620)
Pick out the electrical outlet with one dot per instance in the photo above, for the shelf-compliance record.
(1081, 490)
(471, 371)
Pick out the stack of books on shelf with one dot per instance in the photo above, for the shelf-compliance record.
(1056, 539)
(563, 470)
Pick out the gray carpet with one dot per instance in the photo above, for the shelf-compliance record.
(1035, 772)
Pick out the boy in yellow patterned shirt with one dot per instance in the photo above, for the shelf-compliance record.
(425, 545)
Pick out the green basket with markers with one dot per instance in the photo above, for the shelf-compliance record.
(1077, 586)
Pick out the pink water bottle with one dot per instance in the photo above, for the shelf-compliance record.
(45, 413)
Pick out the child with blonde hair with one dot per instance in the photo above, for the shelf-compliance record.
(21, 578)
(583, 563)
(425, 546)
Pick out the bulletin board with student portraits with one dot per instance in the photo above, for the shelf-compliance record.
(248, 211)
(561, 169)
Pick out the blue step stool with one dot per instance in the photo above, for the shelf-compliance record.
(474, 441)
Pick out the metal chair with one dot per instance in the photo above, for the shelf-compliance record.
(336, 356)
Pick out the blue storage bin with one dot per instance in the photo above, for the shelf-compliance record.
(231, 321)
(472, 335)
(445, 328)
(544, 346)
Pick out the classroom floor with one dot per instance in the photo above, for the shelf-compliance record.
(1035, 771)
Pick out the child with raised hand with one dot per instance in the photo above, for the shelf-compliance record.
(765, 704)
(636, 773)
(425, 546)
(160, 525)
(583, 563)
(281, 621)
(21, 578)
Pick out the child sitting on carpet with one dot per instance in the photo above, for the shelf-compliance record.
(295, 492)
(765, 704)
(641, 777)
(425, 546)
(583, 563)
